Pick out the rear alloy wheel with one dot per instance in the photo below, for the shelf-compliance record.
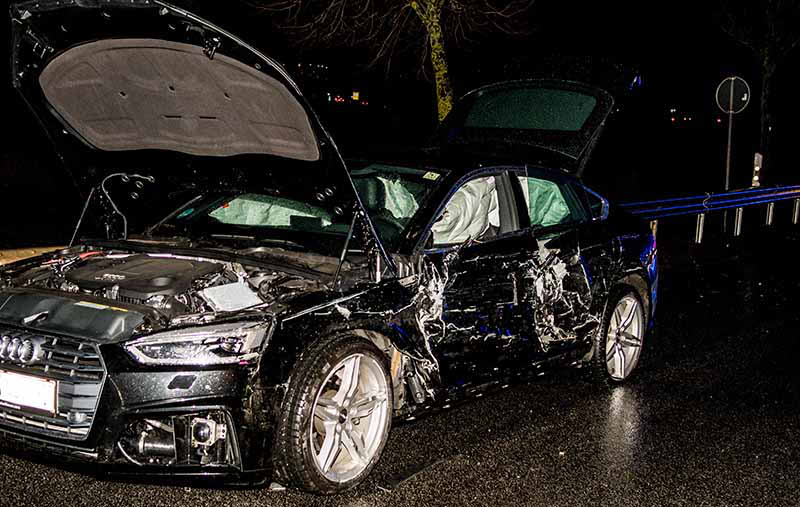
(340, 410)
(619, 344)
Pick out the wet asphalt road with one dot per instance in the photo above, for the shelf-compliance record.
(712, 417)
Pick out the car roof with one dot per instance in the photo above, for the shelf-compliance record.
(460, 161)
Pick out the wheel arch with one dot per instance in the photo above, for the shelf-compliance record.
(638, 283)
(289, 346)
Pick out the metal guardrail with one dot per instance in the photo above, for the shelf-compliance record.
(701, 205)
(693, 205)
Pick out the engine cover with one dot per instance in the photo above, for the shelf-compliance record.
(140, 276)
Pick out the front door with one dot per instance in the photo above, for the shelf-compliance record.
(478, 251)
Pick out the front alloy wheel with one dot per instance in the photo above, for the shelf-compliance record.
(336, 416)
(350, 415)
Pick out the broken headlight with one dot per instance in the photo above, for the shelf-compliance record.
(202, 346)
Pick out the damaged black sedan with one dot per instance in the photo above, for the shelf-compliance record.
(256, 310)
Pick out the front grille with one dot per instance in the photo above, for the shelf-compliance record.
(77, 368)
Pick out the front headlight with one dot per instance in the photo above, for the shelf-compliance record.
(239, 342)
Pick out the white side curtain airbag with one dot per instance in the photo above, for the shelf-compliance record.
(469, 214)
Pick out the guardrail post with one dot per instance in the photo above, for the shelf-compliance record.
(737, 222)
(698, 231)
(770, 213)
(796, 212)
(654, 227)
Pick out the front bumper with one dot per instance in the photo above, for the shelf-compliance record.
(174, 425)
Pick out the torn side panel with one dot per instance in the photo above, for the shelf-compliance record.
(557, 288)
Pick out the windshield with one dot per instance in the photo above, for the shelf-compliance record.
(392, 195)
(263, 217)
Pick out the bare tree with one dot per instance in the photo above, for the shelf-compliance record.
(387, 26)
(770, 29)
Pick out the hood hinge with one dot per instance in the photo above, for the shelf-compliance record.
(210, 46)
(41, 47)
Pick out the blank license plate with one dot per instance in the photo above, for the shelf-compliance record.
(23, 391)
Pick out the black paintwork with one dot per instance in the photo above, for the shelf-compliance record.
(485, 298)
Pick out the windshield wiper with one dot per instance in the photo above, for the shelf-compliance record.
(149, 232)
(259, 241)
(232, 236)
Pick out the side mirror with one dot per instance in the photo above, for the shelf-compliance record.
(598, 204)
(603, 211)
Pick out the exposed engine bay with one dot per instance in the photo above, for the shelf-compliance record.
(173, 285)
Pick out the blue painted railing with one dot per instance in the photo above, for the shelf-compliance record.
(705, 203)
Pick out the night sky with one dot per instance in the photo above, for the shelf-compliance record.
(677, 49)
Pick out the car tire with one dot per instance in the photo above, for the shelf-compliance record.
(617, 346)
(336, 416)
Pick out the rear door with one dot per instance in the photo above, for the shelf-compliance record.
(553, 284)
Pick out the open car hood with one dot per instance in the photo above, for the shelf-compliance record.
(145, 87)
(528, 117)
(142, 74)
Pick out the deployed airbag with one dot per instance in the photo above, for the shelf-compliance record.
(471, 213)
(266, 210)
(546, 204)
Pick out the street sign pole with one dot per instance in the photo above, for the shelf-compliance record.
(728, 167)
(733, 95)
(730, 138)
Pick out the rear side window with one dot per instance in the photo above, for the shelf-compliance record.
(547, 205)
